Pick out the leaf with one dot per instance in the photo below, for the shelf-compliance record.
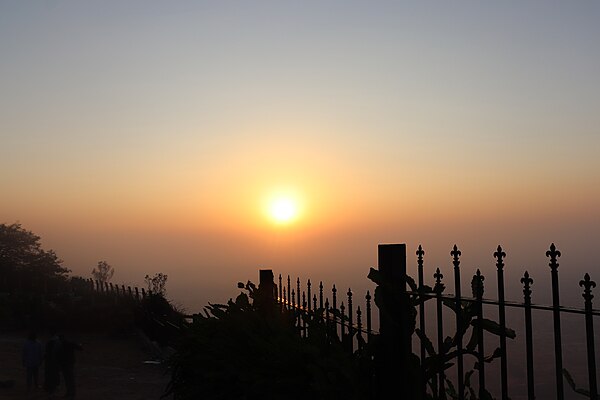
(472, 341)
(468, 377)
(494, 327)
(446, 366)
(425, 340)
(451, 304)
(571, 383)
(569, 379)
(411, 283)
(242, 301)
(375, 276)
(448, 344)
(427, 289)
(496, 354)
(450, 390)
(485, 395)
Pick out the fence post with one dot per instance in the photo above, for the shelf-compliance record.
(267, 290)
(395, 373)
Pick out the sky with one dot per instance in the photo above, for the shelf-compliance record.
(153, 134)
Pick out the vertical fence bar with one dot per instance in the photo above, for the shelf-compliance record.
(350, 324)
(321, 294)
(303, 301)
(359, 328)
(368, 299)
(308, 295)
(342, 324)
(280, 291)
(499, 255)
(314, 301)
(327, 322)
(438, 289)
(298, 289)
(527, 282)
(477, 284)
(588, 284)
(289, 292)
(303, 313)
(554, 254)
(299, 303)
(334, 305)
(393, 371)
(286, 304)
(420, 253)
(456, 253)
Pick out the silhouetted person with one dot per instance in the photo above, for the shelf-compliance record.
(52, 366)
(32, 359)
(67, 364)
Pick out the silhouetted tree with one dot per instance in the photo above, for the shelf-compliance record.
(103, 272)
(22, 256)
(157, 283)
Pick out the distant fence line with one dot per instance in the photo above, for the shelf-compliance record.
(346, 322)
(110, 288)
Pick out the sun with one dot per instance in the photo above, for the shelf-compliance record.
(283, 209)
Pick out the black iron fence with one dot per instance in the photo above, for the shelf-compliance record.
(351, 320)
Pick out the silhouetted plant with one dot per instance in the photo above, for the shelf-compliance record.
(103, 272)
(157, 283)
(249, 349)
(436, 361)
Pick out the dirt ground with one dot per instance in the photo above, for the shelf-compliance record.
(108, 368)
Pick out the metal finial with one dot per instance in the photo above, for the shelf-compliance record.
(439, 286)
(527, 282)
(477, 284)
(587, 284)
(499, 254)
(553, 254)
(420, 253)
(455, 253)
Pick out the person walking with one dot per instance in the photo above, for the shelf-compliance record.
(32, 359)
(52, 365)
(67, 364)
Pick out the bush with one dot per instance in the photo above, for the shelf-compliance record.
(248, 349)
